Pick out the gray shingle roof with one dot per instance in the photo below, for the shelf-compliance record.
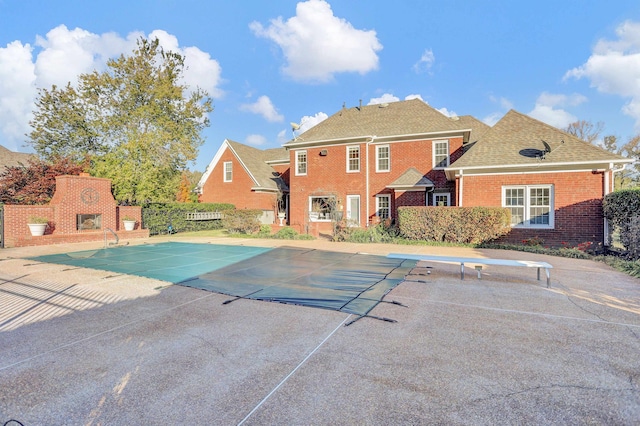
(11, 158)
(255, 160)
(518, 139)
(396, 118)
(411, 178)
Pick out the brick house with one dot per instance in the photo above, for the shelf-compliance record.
(248, 178)
(552, 182)
(362, 163)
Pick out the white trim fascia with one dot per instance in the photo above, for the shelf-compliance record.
(212, 165)
(263, 189)
(533, 172)
(409, 188)
(278, 162)
(379, 139)
(537, 165)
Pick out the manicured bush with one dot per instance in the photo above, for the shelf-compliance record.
(164, 218)
(288, 233)
(469, 225)
(243, 221)
(622, 210)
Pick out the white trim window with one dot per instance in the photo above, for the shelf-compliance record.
(353, 159)
(442, 199)
(321, 208)
(228, 171)
(301, 163)
(440, 154)
(383, 206)
(383, 158)
(531, 206)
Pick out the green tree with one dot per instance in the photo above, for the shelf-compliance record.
(137, 122)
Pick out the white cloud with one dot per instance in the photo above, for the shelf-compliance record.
(316, 44)
(384, 99)
(446, 112)
(614, 68)
(200, 69)
(265, 108)
(255, 140)
(282, 136)
(308, 121)
(549, 106)
(62, 54)
(425, 63)
(414, 96)
(17, 91)
(492, 118)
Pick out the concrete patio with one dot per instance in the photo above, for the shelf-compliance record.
(81, 346)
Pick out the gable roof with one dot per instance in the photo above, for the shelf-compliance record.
(255, 162)
(403, 118)
(478, 128)
(11, 158)
(518, 140)
(411, 180)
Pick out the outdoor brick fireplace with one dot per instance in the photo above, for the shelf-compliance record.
(82, 209)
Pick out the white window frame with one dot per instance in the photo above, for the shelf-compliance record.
(323, 216)
(299, 163)
(435, 195)
(435, 154)
(379, 208)
(378, 158)
(356, 149)
(528, 207)
(227, 174)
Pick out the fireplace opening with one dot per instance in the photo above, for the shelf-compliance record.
(87, 222)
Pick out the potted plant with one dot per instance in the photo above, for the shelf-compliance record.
(37, 225)
(129, 223)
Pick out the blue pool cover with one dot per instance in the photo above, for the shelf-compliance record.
(352, 283)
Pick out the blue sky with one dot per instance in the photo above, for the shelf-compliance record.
(269, 63)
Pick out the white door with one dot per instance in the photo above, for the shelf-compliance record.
(353, 210)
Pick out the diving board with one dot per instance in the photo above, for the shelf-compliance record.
(478, 261)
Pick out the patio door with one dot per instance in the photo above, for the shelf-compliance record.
(353, 210)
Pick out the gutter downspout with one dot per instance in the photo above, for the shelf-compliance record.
(367, 178)
(460, 186)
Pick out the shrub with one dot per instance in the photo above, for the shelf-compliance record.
(286, 233)
(241, 221)
(162, 218)
(470, 225)
(265, 231)
(622, 209)
(37, 220)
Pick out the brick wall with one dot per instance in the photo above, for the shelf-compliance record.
(577, 204)
(74, 195)
(327, 174)
(237, 192)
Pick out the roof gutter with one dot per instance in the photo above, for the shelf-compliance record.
(414, 136)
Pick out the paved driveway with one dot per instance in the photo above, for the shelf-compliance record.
(80, 346)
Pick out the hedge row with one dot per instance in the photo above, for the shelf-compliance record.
(165, 218)
(471, 225)
(622, 209)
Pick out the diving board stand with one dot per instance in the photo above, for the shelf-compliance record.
(478, 261)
